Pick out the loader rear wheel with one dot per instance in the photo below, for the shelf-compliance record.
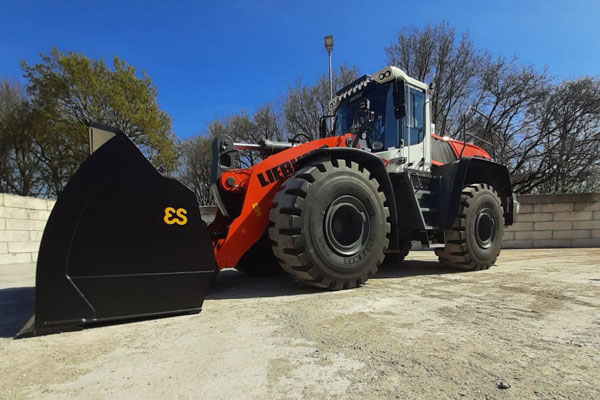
(329, 225)
(474, 241)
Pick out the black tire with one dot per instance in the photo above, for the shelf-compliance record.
(259, 260)
(397, 258)
(329, 225)
(475, 239)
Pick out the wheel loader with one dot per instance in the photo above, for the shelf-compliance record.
(125, 242)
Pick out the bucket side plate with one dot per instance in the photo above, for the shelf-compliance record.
(122, 242)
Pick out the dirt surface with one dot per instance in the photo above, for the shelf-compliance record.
(527, 328)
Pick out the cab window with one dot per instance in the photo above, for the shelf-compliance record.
(414, 123)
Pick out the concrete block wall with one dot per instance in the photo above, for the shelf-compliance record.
(22, 222)
(560, 220)
(563, 220)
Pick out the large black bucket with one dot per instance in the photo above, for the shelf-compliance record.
(122, 242)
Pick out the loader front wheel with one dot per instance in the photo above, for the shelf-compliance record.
(329, 225)
(475, 239)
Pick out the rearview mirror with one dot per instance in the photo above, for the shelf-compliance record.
(399, 101)
(323, 127)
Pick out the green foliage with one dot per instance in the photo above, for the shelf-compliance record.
(69, 92)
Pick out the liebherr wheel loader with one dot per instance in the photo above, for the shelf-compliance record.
(125, 242)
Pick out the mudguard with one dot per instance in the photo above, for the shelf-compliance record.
(122, 242)
(465, 171)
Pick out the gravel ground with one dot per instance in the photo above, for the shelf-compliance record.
(527, 328)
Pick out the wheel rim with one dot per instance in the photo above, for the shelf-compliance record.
(347, 225)
(485, 228)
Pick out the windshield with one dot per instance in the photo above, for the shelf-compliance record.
(382, 132)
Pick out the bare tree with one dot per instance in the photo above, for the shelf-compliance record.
(304, 105)
(196, 167)
(506, 94)
(569, 123)
(434, 55)
(20, 168)
(548, 133)
(265, 123)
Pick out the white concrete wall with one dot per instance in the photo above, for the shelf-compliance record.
(561, 220)
(569, 220)
(22, 222)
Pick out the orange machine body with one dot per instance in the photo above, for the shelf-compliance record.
(260, 183)
(470, 150)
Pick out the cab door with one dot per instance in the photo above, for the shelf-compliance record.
(415, 129)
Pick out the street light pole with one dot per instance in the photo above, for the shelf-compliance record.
(330, 78)
(329, 47)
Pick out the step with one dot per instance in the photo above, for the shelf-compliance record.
(435, 246)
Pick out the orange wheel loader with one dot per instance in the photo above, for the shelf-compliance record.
(124, 242)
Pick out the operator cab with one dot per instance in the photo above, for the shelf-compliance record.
(387, 110)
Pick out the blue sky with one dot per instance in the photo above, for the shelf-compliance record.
(210, 59)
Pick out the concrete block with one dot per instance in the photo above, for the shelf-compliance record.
(2, 224)
(572, 234)
(587, 206)
(556, 207)
(1, 199)
(39, 215)
(586, 242)
(35, 236)
(508, 235)
(533, 235)
(549, 243)
(540, 217)
(14, 236)
(559, 198)
(526, 209)
(23, 247)
(11, 200)
(18, 224)
(596, 215)
(573, 216)
(34, 257)
(553, 226)
(517, 244)
(594, 224)
(595, 233)
(3, 248)
(20, 258)
(24, 225)
(12, 212)
(521, 226)
(50, 205)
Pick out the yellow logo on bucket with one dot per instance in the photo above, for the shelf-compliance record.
(180, 212)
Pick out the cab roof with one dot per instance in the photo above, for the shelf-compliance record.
(385, 75)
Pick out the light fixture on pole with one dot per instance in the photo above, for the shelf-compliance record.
(329, 47)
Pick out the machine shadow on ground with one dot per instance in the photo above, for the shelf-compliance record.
(231, 284)
(16, 307)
